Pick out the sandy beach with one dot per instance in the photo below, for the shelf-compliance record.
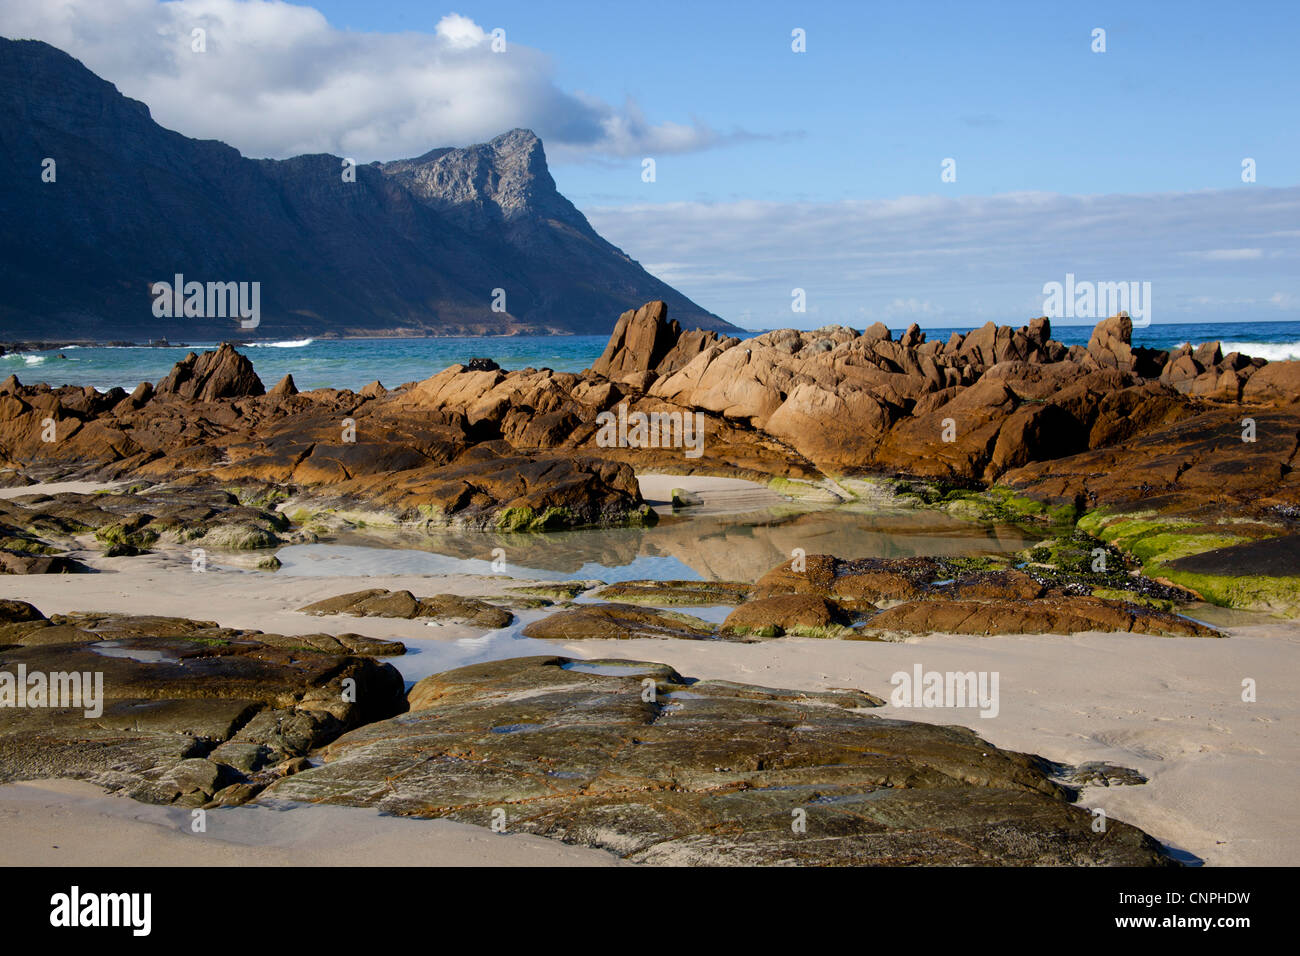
(1222, 772)
(70, 823)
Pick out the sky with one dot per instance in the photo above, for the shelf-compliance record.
(777, 171)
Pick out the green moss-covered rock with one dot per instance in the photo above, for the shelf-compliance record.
(557, 591)
(1230, 564)
(676, 593)
(1004, 505)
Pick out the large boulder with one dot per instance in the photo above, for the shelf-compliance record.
(1111, 342)
(641, 339)
(805, 615)
(212, 376)
(1277, 382)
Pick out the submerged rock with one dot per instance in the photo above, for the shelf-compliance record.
(705, 773)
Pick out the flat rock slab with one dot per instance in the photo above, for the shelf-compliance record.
(125, 524)
(378, 602)
(676, 593)
(705, 773)
(88, 627)
(554, 590)
(1054, 615)
(1270, 558)
(186, 708)
(622, 622)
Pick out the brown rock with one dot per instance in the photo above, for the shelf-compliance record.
(617, 622)
(641, 339)
(1277, 382)
(1056, 615)
(224, 373)
(283, 388)
(781, 614)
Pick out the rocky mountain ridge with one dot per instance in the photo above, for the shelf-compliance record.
(413, 247)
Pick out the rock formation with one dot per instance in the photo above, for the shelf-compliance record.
(706, 773)
(1206, 439)
(190, 712)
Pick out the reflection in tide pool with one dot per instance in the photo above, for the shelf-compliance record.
(717, 547)
(334, 560)
(609, 668)
(423, 658)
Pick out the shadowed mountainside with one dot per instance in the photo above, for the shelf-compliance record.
(410, 247)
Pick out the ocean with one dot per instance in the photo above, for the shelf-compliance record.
(352, 363)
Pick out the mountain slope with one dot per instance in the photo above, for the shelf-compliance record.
(411, 247)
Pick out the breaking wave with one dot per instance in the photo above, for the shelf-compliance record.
(289, 344)
(1273, 351)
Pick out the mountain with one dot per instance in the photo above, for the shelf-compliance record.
(410, 247)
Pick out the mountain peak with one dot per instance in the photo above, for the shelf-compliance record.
(437, 236)
(516, 140)
(505, 178)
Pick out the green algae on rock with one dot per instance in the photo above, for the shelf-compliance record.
(557, 591)
(1231, 564)
(676, 593)
(893, 598)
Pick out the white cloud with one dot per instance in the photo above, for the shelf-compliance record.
(1228, 255)
(277, 80)
(944, 261)
(460, 32)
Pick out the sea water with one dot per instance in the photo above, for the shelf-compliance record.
(352, 363)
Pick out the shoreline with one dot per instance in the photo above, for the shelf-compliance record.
(1220, 770)
(1220, 773)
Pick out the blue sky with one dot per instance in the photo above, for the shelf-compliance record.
(778, 170)
(886, 91)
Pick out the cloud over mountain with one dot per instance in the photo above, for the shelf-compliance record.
(276, 80)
